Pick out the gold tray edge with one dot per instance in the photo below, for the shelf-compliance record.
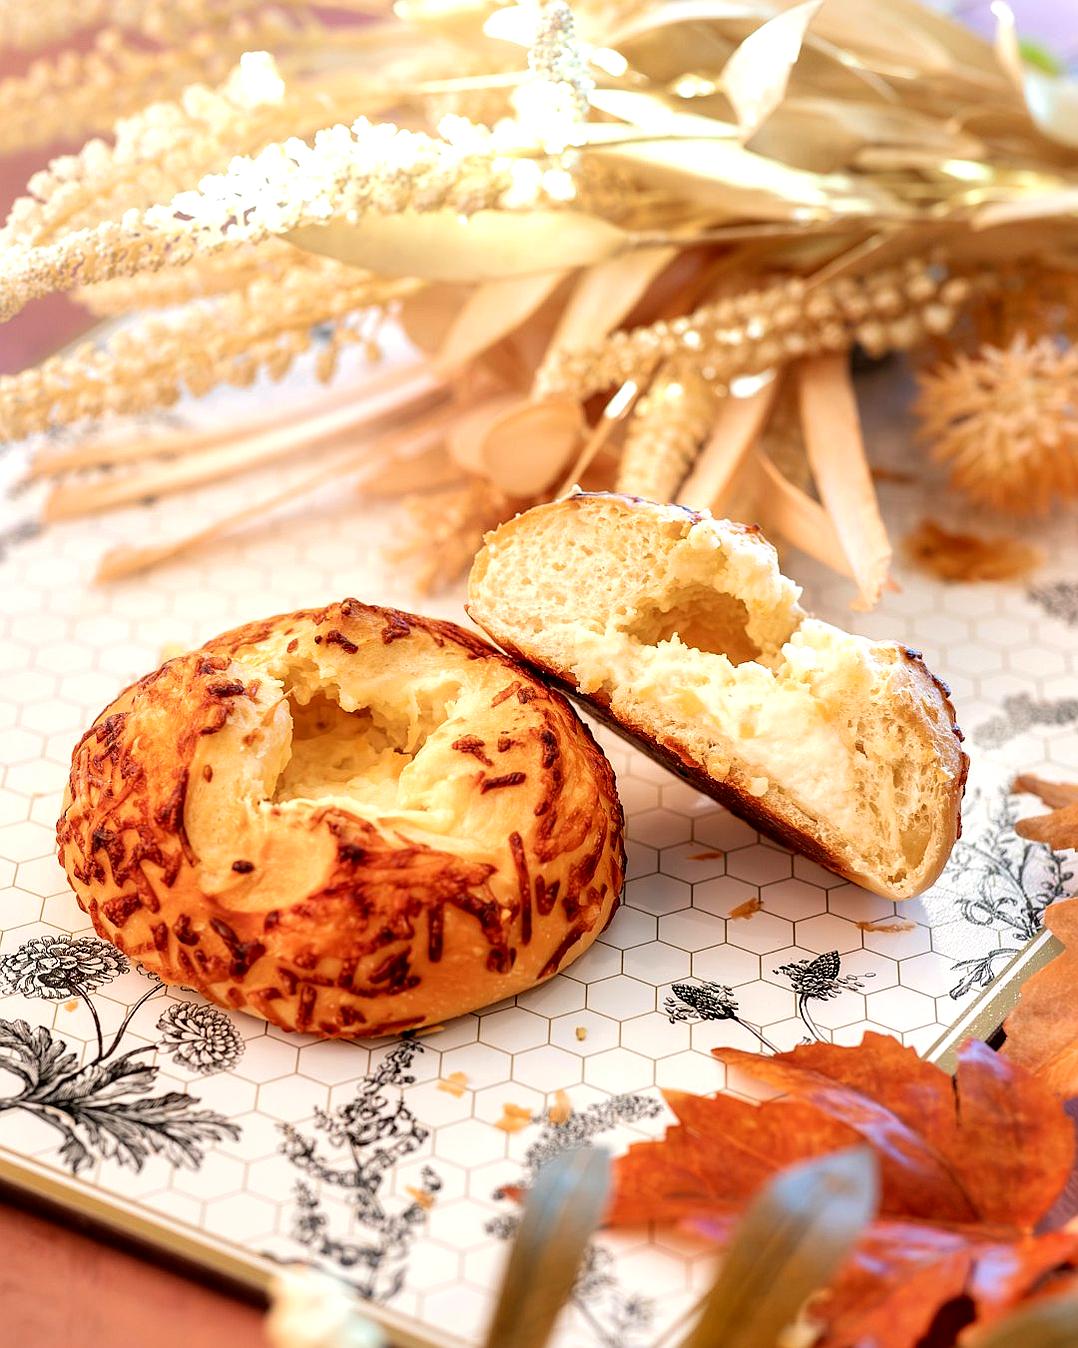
(984, 1016)
(251, 1273)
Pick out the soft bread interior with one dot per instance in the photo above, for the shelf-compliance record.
(372, 736)
(360, 740)
(685, 628)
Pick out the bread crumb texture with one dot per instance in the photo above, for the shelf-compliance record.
(684, 630)
(348, 820)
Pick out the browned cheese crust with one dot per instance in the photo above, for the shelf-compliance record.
(499, 863)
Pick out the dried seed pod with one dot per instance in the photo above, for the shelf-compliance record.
(666, 432)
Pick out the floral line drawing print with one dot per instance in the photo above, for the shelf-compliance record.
(615, 1316)
(815, 978)
(819, 979)
(60, 967)
(1059, 600)
(1021, 712)
(371, 1133)
(708, 1001)
(102, 1108)
(200, 1037)
(1006, 884)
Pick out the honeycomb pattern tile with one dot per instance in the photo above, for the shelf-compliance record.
(394, 1157)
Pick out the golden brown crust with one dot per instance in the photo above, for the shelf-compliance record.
(315, 916)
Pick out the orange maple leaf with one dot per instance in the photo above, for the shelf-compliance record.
(1042, 1030)
(969, 1165)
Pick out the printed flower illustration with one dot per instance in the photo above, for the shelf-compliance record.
(55, 967)
(708, 1001)
(100, 1104)
(366, 1136)
(200, 1038)
(1020, 712)
(618, 1318)
(819, 978)
(701, 1001)
(1059, 600)
(999, 881)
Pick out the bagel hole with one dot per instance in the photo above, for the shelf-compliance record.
(360, 753)
(706, 619)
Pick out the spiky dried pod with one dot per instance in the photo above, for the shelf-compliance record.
(1005, 422)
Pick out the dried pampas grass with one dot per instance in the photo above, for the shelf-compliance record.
(641, 242)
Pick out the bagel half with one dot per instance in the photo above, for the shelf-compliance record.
(350, 821)
(681, 630)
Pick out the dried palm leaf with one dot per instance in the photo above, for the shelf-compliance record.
(737, 426)
(831, 428)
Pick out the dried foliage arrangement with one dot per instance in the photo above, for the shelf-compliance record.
(640, 241)
(953, 1242)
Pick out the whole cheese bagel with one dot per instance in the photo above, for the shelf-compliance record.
(349, 821)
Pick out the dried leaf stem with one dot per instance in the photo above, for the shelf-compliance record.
(403, 392)
(831, 429)
(734, 434)
(416, 438)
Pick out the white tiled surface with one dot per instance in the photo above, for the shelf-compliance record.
(612, 1026)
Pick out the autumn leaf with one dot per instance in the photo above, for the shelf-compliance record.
(894, 1285)
(988, 1146)
(1042, 1030)
(952, 556)
(968, 1167)
(1058, 828)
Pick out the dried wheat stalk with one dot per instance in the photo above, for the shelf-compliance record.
(262, 327)
(758, 330)
(167, 146)
(28, 27)
(201, 278)
(80, 93)
(362, 169)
